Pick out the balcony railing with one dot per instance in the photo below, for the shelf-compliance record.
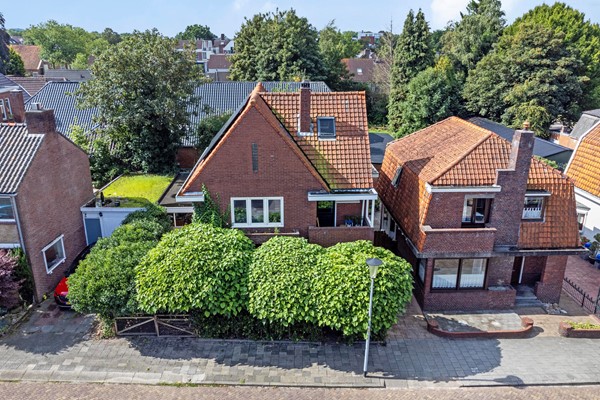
(532, 213)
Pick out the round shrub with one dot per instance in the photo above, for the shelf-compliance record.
(343, 288)
(141, 230)
(104, 282)
(281, 280)
(153, 213)
(196, 267)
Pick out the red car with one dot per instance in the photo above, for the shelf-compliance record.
(62, 289)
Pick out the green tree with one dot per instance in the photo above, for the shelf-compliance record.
(141, 89)
(196, 32)
(579, 35)
(412, 55)
(4, 39)
(106, 163)
(110, 36)
(432, 95)
(276, 46)
(208, 128)
(60, 42)
(530, 75)
(335, 45)
(470, 39)
(15, 64)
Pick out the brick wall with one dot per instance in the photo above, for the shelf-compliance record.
(500, 271)
(533, 267)
(228, 172)
(187, 157)
(56, 185)
(9, 233)
(347, 209)
(328, 236)
(548, 289)
(445, 210)
(468, 240)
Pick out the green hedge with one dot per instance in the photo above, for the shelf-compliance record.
(281, 281)
(294, 282)
(198, 267)
(154, 213)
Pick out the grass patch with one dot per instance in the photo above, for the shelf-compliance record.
(138, 190)
(583, 325)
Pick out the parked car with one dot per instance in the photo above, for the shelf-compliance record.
(62, 289)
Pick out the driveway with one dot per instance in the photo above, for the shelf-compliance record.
(584, 275)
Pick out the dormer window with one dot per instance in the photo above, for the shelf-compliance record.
(476, 212)
(533, 208)
(397, 176)
(359, 71)
(326, 127)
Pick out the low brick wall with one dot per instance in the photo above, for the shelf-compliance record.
(526, 323)
(565, 329)
(260, 237)
(472, 240)
(329, 236)
(467, 300)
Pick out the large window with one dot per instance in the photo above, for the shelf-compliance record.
(533, 208)
(6, 209)
(476, 211)
(54, 254)
(326, 127)
(466, 273)
(257, 212)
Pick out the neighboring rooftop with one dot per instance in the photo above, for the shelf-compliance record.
(584, 167)
(137, 190)
(17, 150)
(218, 61)
(378, 141)
(586, 122)
(7, 83)
(541, 147)
(30, 55)
(71, 75)
(362, 69)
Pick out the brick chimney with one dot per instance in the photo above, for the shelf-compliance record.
(304, 125)
(521, 151)
(17, 104)
(39, 120)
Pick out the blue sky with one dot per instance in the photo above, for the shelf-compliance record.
(226, 16)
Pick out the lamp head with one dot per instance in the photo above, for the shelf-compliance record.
(373, 264)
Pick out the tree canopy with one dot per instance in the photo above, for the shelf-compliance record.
(196, 32)
(4, 38)
(60, 42)
(530, 75)
(470, 39)
(141, 89)
(15, 65)
(279, 46)
(335, 45)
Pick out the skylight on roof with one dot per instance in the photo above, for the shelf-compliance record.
(326, 127)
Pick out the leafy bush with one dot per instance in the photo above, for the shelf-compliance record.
(343, 288)
(153, 213)
(583, 325)
(140, 230)
(209, 211)
(196, 267)
(9, 286)
(281, 279)
(23, 275)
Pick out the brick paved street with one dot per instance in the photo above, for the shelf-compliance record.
(56, 391)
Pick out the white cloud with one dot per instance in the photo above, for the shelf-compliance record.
(446, 10)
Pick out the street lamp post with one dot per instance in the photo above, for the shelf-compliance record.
(373, 264)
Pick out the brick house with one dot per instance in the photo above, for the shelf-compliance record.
(584, 169)
(477, 216)
(297, 163)
(44, 180)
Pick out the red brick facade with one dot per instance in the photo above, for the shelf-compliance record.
(56, 185)
(187, 157)
(329, 236)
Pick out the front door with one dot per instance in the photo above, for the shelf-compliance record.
(326, 213)
(516, 272)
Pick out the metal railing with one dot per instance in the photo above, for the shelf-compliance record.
(154, 325)
(532, 213)
(586, 301)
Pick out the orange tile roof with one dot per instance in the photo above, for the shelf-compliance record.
(584, 168)
(455, 152)
(344, 163)
(30, 55)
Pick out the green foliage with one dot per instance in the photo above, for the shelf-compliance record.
(60, 42)
(335, 45)
(432, 95)
(145, 187)
(4, 50)
(141, 89)
(293, 282)
(412, 55)
(105, 165)
(595, 246)
(209, 211)
(196, 267)
(151, 213)
(80, 61)
(196, 32)
(470, 39)
(78, 136)
(548, 162)
(529, 75)
(281, 279)
(15, 65)
(276, 46)
(9, 286)
(22, 274)
(583, 325)
(579, 35)
(135, 230)
(209, 127)
(343, 289)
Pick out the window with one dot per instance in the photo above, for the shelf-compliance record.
(533, 208)
(397, 175)
(6, 210)
(8, 107)
(580, 220)
(359, 71)
(257, 212)
(465, 273)
(476, 211)
(326, 127)
(422, 265)
(54, 254)
(3, 111)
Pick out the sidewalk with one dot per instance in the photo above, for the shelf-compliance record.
(65, 353)
(584, 275)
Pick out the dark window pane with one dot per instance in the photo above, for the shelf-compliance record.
(274, 211)
(258, 212)
(239, 211)
(6, 210)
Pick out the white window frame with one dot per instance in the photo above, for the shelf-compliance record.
(3, 109)
(529, 214)
(326, 135)
(8, 220)
(8, 106)
(51, 268)
(249, 223)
